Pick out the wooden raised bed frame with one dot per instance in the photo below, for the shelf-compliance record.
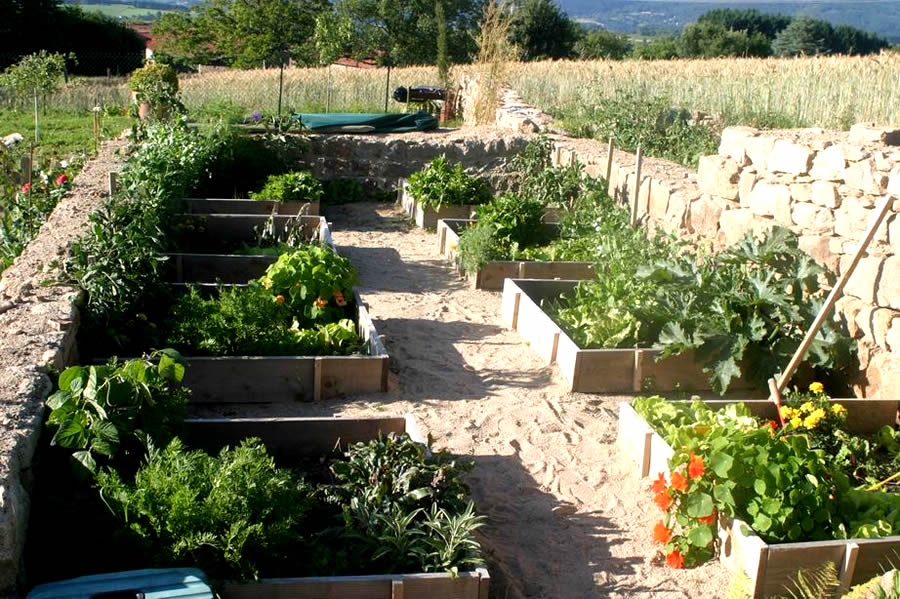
(244, 206)
(772, 568)
(287, 379)
(287, 439)
(492, 275)
(234, 268)
(594, 370)
(427, 217)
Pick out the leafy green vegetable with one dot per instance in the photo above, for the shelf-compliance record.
(439, 183)
(299, 186)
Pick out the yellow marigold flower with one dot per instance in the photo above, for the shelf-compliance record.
(796, 422)
(807, 407)
(453, 246)
(786, 412)
(817, 387)
(267, 283)
(838, 409)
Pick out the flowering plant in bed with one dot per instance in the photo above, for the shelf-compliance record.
(785, 482)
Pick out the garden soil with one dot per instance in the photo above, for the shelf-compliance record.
(567, 518)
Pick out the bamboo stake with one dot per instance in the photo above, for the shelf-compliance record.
(880, 212)
(776, 397)
(637, 188)
(609, 157)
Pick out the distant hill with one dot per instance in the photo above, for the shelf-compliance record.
(654, 16)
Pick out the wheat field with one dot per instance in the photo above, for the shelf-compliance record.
(828, 92)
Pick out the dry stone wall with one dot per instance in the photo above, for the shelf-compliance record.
(823, 185)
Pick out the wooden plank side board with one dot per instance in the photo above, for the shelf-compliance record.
(289, 440)
(634, 437)
(230, 269)
(247, 206)
(244, 228)
(426, 216)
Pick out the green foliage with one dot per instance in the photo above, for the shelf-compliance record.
(664, 48)
(600, 44)
(517, 220)
(343, 191)
(477, 247)
(38, 73)
(439, 183)
(314, 281)
(710, 40)
(299, 186)
(818, 583)
(250, 321)
(443, 57)
(542, 30)
(402, 511)
(231, 515)
(804, 36)
(750, 21)
(156, 85)
(642, 119)
(101, 412)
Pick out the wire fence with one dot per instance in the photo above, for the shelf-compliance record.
(233, 93)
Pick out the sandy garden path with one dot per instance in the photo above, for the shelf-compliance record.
(565, 519)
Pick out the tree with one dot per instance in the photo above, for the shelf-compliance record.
(850, 40)
(37, 75)
(599, 44)
(659, 49)
(751, 21)
(244, 33)
(707, 39)
(542, 30)
(443, 59)
(804, 36)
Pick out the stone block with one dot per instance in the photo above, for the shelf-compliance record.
(825, 194)
(893, 187)
(704, 217)
(828, 164)
(758, 150)
(892, 338)
(893, 229)
(771, 199)
(851, 219)
(888, 291)
(869, 133)
(881, 321)
(864, 323)
(863, 280)
(801, 192)
(675, 213)
(863, 177)
(791, 158)
(644, 195)
(718, 176)
(813, 219)
(734, 143)
(847, 308)
(745, 186)
(595, 171)
(853, 153)
(819, 248)
(882, 162)
(659, 199)
(734, 224)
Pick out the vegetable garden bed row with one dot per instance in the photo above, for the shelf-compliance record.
(247, 206)
(592, 370)
(492, 275)
(772, 567)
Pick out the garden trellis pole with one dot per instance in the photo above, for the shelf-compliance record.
(609, 158)
(879, 214)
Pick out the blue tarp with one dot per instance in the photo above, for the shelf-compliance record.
(336, 122)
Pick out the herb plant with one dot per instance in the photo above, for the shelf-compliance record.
(299, 186)
(100, 411)
(439, 183)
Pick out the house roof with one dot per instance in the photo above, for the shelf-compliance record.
(145, 30)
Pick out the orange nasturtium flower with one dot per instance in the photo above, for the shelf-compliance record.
(661, 533)
(708, 519)
(659, 485)
(675, 560)
(679, 482)
(321, 303)
(279, 299)
(339, 298)
(695, 466)
(663, 500)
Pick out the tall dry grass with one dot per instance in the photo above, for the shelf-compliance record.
(829, 92)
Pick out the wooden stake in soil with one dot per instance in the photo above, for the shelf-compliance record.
(610, 150)
(776, 397)
(637, 188)
(879, 214)
(113, 182)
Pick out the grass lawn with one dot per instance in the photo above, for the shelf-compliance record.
(62, 133)
(124, 11)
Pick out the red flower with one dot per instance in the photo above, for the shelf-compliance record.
(674, 560)
(321, 303)
(695, 466)
(679, 482)
(659, 485)
(771, 424)
(663, 501)
(339, 298)
(26, 188)
(661, 534)
(708, 519)
(62, 179)
(279, 299)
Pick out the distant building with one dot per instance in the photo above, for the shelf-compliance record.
(145, 31)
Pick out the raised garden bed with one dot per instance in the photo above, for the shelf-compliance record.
(594, 370)
(286, 379)
(494, 273)
(224, 232)
(772, 568)
(226, 206)
(236, 268)
(426, 216)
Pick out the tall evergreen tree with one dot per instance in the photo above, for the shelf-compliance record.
(542, 30)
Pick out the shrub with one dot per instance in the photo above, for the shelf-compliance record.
(343, 191)
(439, 183)
(156, 85)
(299, 186)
